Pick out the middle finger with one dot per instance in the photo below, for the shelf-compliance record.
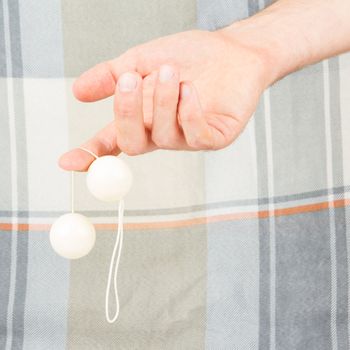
(165, 129)
(131, 133)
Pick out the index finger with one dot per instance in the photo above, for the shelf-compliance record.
(99, 81)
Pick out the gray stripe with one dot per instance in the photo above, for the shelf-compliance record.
(48, 276)
(190, 209)
(5, 190)
(339, 213)
(303, 282)
(5, 173)
(22, 186)
(22, 200)
(342, 279)
(264, 284)
(298, 132)
(233, 285)
(41, 43)
(264, 224)
(225, 318)
(253, 7)
(15, 39)
(264, 233)
(303, 243)
(3, 67)
(213, 15)
(5, 264)
(300, 163)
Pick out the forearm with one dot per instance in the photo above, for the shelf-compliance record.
(294, 33)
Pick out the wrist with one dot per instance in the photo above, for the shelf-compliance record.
(279, 55)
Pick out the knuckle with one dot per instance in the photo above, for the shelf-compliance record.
(161, 142)
(165, 140)
(131, 56)
(199, 143)
(125, 110)
(132, 150)
(163, 100)
(193, 143)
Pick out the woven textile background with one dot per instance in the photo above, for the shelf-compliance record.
(240, 249)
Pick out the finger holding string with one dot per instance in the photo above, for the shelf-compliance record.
(103, 143)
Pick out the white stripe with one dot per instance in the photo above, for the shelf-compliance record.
(14, 189)
(271, 209)
(253, 146)
(331, 210)
(252, 139)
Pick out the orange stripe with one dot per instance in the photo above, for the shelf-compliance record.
(308, 208)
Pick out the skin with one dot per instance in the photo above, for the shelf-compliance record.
(196, 90)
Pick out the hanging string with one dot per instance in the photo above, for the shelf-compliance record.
(115, 259)
(115, 264)
(72, 191)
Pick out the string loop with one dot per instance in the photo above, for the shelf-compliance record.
(115, 264)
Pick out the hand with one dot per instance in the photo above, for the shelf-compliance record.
(218, 78)
(194, 90)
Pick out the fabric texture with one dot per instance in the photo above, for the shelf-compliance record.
(240, 249)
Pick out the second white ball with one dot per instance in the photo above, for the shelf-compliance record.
(72, 236)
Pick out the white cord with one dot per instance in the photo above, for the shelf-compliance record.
(72, 191)
(115, 255)
(115, 263)
(88, 151)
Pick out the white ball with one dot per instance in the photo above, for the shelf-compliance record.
(109, 178)
(72, 236)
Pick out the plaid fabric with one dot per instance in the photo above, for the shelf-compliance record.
(243, 248)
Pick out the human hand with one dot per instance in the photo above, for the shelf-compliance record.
(194, 90)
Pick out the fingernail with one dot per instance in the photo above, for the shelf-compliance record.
(127, 82)
(185, 91)
(165, 73)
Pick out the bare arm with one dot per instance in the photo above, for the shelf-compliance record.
(295, 33)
